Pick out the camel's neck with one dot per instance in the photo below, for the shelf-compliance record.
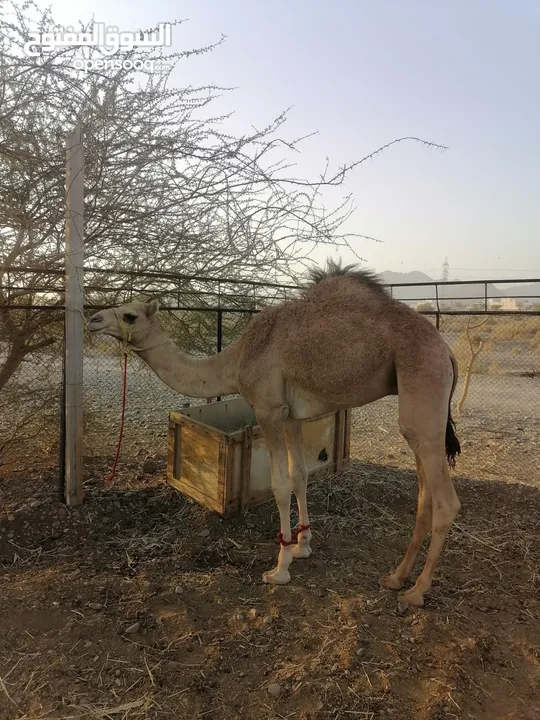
(195, 377)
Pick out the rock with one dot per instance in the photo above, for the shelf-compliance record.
(254, 613)
(178, 589)
(149, 466)
(204, 533)
(133, 628)
(360, 652)
(268, 620)
(34, 504)
(95, 606)
(88, 644)
(274, 689)
(11, 518)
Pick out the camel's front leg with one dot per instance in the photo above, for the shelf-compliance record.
(272, 427)
(299, 475)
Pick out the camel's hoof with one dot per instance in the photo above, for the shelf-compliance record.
(392, 582)
(276, 577)
(402, 608)
(413, 598)
(301, 551)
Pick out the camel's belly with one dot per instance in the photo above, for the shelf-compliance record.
(304, 405)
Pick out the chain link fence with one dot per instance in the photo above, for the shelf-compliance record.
(30, 397)
(496, 402)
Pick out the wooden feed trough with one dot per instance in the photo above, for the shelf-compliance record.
(217, 454)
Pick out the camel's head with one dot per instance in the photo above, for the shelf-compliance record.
(135, 319)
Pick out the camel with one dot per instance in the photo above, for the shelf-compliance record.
(344, 343)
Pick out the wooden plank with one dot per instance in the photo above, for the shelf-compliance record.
(203, 431)
(175, 416)
(246, 467)
(201, 456)
(187, 489)
(225, 458)
(172, 449)
(229, 473)
(204, 428)
(74, 301)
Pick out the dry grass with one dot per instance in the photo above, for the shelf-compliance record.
(335, 643)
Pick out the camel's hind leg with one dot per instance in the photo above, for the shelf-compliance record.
(446, 506)
(423, 421)
(299, 475)
(396, 579)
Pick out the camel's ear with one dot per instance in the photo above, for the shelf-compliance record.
(152, 307)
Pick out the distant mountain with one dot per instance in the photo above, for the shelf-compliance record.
(415, 276)
(532, 289)
(450, 292)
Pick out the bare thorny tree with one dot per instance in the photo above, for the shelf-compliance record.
(166, 187)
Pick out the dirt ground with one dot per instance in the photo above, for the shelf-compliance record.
(141, 604)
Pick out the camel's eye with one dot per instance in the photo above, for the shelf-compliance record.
(129, 317)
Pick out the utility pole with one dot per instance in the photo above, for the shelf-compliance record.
(445, 269)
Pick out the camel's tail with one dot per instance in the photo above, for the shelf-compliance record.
(453, 447)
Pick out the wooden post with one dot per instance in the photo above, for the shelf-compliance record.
(339, 438)
(74, 303)
(347, 440)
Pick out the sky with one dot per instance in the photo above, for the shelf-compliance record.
(361, 73)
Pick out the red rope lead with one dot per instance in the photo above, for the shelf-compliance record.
(110, 477)
(294, 536)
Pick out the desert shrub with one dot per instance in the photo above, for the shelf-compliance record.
(509, 328)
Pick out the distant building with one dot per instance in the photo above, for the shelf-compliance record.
(508, 303)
